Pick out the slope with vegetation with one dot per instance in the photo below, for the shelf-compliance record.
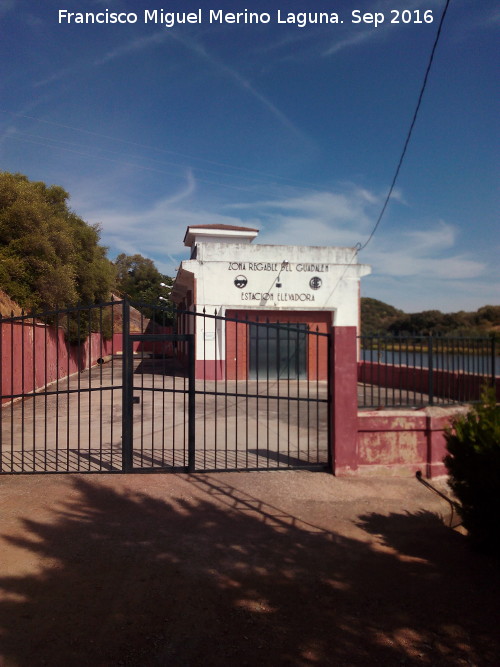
(49, 256)
(378, 317)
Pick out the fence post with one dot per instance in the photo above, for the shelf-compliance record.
(431, 372)
(493, 360)
(191, 404)
(1, 391)
(127, 390)
(343, 377)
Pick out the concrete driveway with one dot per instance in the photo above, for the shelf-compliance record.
(76, 424)
(271, 568)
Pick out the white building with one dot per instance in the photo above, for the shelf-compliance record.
(229, 276)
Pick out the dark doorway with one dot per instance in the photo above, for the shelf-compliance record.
(278, 351)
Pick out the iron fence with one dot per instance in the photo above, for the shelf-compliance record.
(112, 388)
(262, 396)
(397, 371)
(59, 384)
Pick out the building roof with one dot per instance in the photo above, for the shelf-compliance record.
(230, 227)
(218, 230)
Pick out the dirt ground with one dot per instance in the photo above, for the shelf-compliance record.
(271, 568)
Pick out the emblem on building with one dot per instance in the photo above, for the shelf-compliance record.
(315, 282)
(240, 281)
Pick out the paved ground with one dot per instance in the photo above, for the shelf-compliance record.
(272, 568)
(76, 424)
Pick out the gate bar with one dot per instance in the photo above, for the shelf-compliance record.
(191, 404)
(127, 391)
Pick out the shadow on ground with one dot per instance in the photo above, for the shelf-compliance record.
(129, 579)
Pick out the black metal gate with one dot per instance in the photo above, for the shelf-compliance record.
(112, 388)
(158, 407)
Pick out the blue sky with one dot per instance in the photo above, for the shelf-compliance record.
(295, 130)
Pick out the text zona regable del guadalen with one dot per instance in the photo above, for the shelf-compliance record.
(276, 266)
(299, 19)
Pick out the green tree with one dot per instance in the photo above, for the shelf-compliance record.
(49, 256)
(140, 280)
(376, 316)
(488, 316)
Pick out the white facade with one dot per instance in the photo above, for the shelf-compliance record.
(228, 272)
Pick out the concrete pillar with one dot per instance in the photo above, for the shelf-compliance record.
(436, 443)
(344, 411)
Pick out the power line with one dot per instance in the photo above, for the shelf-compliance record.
(358, 247)
(410, 131)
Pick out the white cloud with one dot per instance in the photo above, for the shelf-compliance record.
(134, 45)
(156, 231)
(415, 263)
(405, 262)
(240, 81)
(362, 33)
(55, 76)
(441, 236)
(352, 40)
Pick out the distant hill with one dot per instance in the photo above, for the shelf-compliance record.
(379, 317)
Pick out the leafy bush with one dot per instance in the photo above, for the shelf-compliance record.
(473, 463)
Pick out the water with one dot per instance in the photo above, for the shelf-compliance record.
(470, 363)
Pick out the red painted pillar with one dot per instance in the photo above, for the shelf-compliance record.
(436, 445)
(344, 413)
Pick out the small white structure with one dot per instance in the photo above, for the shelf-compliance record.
(229, 276)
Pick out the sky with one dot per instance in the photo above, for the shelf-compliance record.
(283, 124)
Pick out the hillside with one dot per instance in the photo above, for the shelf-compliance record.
(378, 317)
(8, 307)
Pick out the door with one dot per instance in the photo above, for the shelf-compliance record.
(277, 351)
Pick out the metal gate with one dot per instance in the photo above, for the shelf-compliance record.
(112, 388)
(158, 406)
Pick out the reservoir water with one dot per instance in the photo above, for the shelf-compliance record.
(469, 363)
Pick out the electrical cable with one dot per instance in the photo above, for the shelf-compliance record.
(359, 247)
(410, 131)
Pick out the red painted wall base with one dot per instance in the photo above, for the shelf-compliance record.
(397, 442)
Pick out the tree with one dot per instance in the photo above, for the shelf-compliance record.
(376, 316)
(139, 279)
(49, 256)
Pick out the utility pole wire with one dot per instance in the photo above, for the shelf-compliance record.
(408, 136)
(358, 247)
